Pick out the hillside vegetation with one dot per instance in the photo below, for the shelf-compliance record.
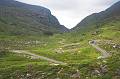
(18, 18)
(82, 60)
(97, 20)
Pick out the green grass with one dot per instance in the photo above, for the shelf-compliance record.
(77, 53)
(9, 59)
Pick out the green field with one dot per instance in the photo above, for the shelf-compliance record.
(71, 48)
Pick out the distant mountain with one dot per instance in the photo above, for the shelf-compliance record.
(18, 18)
(97, 20)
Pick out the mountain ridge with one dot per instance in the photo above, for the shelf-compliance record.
(96, 20)
(31, 16)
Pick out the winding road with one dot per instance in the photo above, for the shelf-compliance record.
(35, 56)
(104, 53)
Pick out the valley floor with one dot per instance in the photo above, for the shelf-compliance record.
(61, 56)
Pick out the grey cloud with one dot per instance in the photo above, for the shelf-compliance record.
(63, 4)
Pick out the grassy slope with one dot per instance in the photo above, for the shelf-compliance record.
(18, 21)
(77, 53)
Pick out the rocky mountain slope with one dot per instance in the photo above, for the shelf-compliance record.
(18, 18)
(97, 20)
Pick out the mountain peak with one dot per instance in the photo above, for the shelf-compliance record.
(22, 18)
(96, 19)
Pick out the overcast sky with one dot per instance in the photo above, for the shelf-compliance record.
(71, 12)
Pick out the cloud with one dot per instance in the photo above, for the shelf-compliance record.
(71, 12)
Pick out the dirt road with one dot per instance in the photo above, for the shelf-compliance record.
(38, 56)
(104, 53)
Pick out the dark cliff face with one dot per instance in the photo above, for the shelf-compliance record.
(98, 19)
(37, 19)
